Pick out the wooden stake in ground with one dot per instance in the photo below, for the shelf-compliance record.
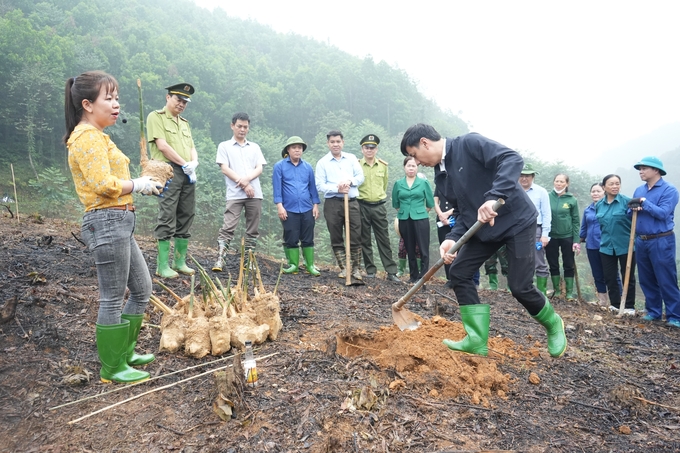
(16, 199)
(629, 260)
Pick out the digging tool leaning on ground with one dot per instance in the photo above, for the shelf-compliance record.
(481, 171)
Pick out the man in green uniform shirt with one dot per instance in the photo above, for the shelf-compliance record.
(372, 198)
(170, 141)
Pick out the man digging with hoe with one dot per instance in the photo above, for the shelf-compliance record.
(477, 172)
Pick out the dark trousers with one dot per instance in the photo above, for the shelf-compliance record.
(521, 265)
(416, 232)
(501, 256)
(441, 234)
(298, 228)
(334, 213)
(596, 268)
(374, 217)
(610, 266)
(552, 253)
(177, 208)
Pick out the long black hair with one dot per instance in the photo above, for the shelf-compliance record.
(85, 86)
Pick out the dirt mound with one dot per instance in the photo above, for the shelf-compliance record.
(422, 359)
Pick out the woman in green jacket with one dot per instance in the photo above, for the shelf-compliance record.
(615, 227)
(413, 199)
(564, 234)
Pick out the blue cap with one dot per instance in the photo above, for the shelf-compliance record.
(651, 161)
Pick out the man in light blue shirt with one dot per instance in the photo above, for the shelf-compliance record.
(539, 196)
(337, 174)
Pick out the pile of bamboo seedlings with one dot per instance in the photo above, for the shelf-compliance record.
(218, 317)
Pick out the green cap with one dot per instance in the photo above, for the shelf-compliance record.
(181, 90)
(371, 141)
(651, 161)
(528, 169)
(294, 140)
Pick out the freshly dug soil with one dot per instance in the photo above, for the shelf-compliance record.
(339, 377)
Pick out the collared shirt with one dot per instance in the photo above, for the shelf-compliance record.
(242, 159)
(614, 225)
(658, 209)
(330, 171)
(98, 168)
(294, 186)
(590, 228)
(161, 124)
(541, 200)
(374, 187)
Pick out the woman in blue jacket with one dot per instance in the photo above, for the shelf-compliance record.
(413, 199)
(615, 228)
(590, 234)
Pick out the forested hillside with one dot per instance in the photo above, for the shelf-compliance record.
(290, 85)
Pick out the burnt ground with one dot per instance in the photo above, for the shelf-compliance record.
(340, 377)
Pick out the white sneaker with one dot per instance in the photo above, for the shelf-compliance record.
(629, 311)
(613, 308)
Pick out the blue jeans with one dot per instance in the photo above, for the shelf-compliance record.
(109, 235)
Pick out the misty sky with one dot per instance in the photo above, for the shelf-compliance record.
(565, 81)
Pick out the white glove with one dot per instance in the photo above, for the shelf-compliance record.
(190, 167)
(146, 185)
(192, 177)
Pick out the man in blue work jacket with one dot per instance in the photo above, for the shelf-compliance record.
(655, 203)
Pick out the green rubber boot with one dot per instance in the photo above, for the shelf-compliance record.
(569, 285)
(476, 323)
(112, 347)
(308, 253)
(542, 285)
(179, 264)
(134, 359)
(401, 268)
(162, 267)
(556, 285)
(293, 256)
(554, 326)
(493, 282)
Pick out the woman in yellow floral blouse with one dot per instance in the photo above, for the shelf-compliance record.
(102, 179)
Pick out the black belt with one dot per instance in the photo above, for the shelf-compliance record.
(341, 198)
(372, 203)
(646, 237)
(539, 225)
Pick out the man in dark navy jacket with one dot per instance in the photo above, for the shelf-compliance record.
(475, 172)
